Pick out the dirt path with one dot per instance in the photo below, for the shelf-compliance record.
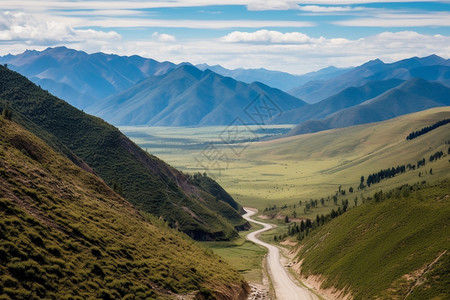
(285, 287)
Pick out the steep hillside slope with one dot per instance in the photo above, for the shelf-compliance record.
(187, 96)
(82, 78)
(64, 234)
(144, 180)
(397, 248)
(347, 98)
(411, 96)
(430, 68)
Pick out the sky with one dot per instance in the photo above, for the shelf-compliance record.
(290, 36)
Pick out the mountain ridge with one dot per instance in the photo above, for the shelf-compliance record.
(187, 96)
(410, 96)
(146, 181)
(277, 79)
(376, 70)
(83, 78)
(347, 98)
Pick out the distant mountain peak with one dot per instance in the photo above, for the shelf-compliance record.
(188, 96)
(186, 69)
(81, 78)
(374, 62)
(433, 59)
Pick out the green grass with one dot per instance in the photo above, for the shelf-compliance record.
(64, 234)
(146, 181)
(244, 256)
(371, 249)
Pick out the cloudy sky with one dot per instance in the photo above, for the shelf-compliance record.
(291, 36)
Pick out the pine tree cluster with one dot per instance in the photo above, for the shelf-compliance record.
(424, 130)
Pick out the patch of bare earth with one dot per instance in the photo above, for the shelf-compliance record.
(288, 243)
(265, 217)
(314, 282)
(259, 292)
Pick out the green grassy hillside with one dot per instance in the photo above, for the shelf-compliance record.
(390, 249)
(143, 179)
(285, 171)
(64, 234)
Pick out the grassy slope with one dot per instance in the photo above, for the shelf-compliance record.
(66, 235)
(371, 248)
(146, 181)
(314, 165)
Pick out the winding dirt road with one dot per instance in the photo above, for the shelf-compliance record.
(285, 288)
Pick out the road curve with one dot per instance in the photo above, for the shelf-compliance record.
(285, 288)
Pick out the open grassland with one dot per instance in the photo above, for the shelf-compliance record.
(393, 248)
(310, 166)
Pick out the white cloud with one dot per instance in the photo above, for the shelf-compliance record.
(438, 19)
(104, 12)
(198, 24)
(272, 5)
(270, 36)
(328, 9)
(42, 5)
(32, 30)
(163, 37)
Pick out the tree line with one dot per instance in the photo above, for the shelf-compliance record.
(384, 174)
(303, 228)
(391, 172)
(426, 129)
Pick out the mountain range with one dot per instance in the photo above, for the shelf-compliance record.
(280, 80)
(347, 98)
(144, 180)
(187, 96)
(81, 78)
(411, 96)
(431, 68)
(139, 91)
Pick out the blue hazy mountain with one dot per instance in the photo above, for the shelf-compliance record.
(280, 80)
(411, 96)
(82, 78)
(188, 96)
(430, 68)
(347, 98)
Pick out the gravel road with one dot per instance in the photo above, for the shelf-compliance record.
(285, 287)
